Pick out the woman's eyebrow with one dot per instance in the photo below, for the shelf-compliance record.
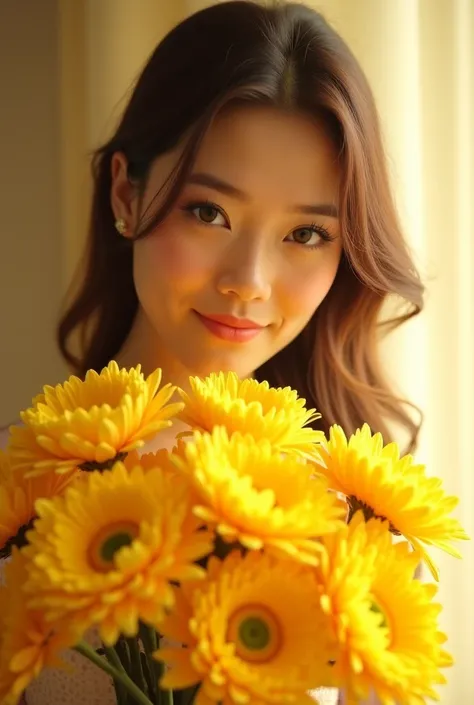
(214, 182)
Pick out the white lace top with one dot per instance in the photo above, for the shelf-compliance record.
(87, 685)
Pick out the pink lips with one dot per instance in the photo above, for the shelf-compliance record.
(237, 330)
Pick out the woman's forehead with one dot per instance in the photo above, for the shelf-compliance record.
(265, 150)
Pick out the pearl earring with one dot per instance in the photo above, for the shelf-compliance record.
(121, 226)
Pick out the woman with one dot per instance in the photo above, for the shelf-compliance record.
(242, 219)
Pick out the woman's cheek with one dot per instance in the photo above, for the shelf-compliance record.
(174, 257)
(303, 294)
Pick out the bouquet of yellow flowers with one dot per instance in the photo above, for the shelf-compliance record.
(253, 563)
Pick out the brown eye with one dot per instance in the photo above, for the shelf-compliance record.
(207, 214)
(303, 236)
(311, 236)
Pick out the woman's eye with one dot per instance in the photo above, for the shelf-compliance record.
(208, 214)
(309, 236)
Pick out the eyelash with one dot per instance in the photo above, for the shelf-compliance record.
(323, 233)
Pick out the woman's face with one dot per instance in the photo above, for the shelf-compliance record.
(249, 251)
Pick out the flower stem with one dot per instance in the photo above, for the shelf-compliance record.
(119, 675)
(114, 659)
(121, 647)
(150, 682)
(137, 671)
(150, 643)
(167, 697)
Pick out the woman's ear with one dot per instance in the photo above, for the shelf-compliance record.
(123, 196)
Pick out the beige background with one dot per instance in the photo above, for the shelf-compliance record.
(31, 251)
(65, 67)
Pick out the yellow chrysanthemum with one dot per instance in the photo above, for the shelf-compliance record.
(5, 470)
(106, 551)
(17, 501)
(161, 458)
(385, 621)
(256, 495)
(380, 483)
(27, 642)
(254, 633)
(248, 406)
(91, 423)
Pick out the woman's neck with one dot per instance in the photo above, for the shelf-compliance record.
(144, 347)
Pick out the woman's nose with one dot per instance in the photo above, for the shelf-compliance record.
(246, 275)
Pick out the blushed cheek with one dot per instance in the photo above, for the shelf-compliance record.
(172, 259)
(303, 295)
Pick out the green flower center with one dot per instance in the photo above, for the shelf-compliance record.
(113, 544)
(376, 609)
(108, 541)
(254, 633)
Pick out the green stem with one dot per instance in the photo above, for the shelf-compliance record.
(121, 647)
(149, 638)
(120, 675)
(114, 659)
(167, 697)
(150, 643)
(150, 681)
(137, 670)
(188, 695)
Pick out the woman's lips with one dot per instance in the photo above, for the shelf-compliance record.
(237, 330)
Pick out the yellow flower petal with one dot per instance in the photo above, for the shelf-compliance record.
(94, 421)
(254, 494)
(251, 407)
(107, 551)
(386, 622)
(180, 674)
(28, 643)
(203, 699)
(18, 496)
(24, 659)
(256, 632)
(380, 483)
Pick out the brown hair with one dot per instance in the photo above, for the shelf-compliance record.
(286, 56)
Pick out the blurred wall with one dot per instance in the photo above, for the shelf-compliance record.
(30, 236)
